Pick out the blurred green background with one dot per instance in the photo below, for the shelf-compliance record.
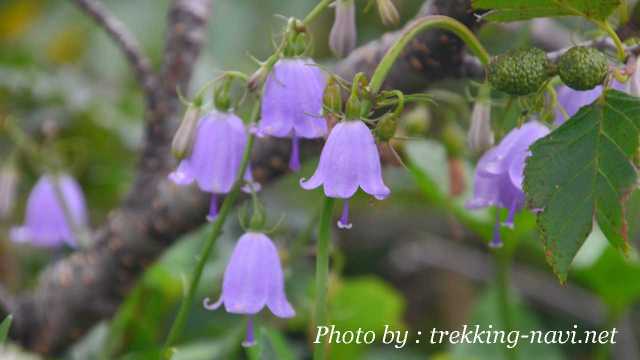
(58, 70)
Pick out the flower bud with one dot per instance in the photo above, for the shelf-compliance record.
(343, 37)
(386, 127)
(417, 121)
(8, 185)
(184, 137)
(332, 97)
(388, 12)
(257, 78)
(354, 107)
(480, 136)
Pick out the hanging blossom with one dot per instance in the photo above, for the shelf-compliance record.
(292, 104)
(343, 36)
(46, 223)
(215, 158)
(8, 184)
(572, 100)
(349, 160)
(252, 280)
(499, 174)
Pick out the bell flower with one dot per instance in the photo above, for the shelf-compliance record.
(343, 36)
(499, 174)
(252, 280)
(215, 158)
(349, 160)
(292, 104)
(46, 223)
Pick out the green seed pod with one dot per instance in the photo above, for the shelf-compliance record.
(519, 72)
(583, 68)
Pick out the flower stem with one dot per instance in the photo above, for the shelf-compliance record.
(424, 23)
(316, 11)
(504, 303)
(322, 273)
(606, 27)
(178, 324)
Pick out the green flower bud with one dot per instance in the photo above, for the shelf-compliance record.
(353, 108)
(388, 12)
(332, 97)
(583, 68)
(519, 72)
(184, 137)
(386, 127)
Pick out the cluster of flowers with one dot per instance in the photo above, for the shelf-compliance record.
(499, 172)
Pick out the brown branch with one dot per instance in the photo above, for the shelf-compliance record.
(123, 39)
(88, 286)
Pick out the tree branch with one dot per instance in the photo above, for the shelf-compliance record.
(124, 40)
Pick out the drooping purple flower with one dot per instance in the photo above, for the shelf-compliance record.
(215, 158)
(499, 174)
(292, 103)
(349, 160)
(572, 100)
(343, 36)
(252, 280)
(46, 223)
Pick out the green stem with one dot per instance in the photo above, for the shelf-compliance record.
(323, 4)
(606, 27)
(420, 25)
(178, 324)
(322, 273)
(504, 304)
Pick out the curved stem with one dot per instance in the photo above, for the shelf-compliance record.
(605, 26)
(178, 324)
(504, 304)
(420, 25)
(323, 4)
(322, 274)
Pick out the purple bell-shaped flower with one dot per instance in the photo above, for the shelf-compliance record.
(349, 160)
(46, 223)
(252, 280)
(215, 158)
(292, 103)
(343, 36)
(572, 100)
(499, 174)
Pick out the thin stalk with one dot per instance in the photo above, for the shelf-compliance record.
(606, 27)
(323, 4)
(322, 273)
(504, 303)
(80, 233)
(178, 324)
(420, 25)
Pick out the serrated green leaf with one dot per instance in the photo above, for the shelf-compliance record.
(4, 328)
(583, 171)
(514, 10)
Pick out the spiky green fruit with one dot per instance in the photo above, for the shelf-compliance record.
(583, 68)
(519, 72)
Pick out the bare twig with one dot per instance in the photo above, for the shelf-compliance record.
(123, 39)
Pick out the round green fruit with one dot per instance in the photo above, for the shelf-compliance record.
(583, 68)
(519, 72)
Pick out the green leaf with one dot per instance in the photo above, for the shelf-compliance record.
(583, 171)
(4, 328)
(514, 10)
